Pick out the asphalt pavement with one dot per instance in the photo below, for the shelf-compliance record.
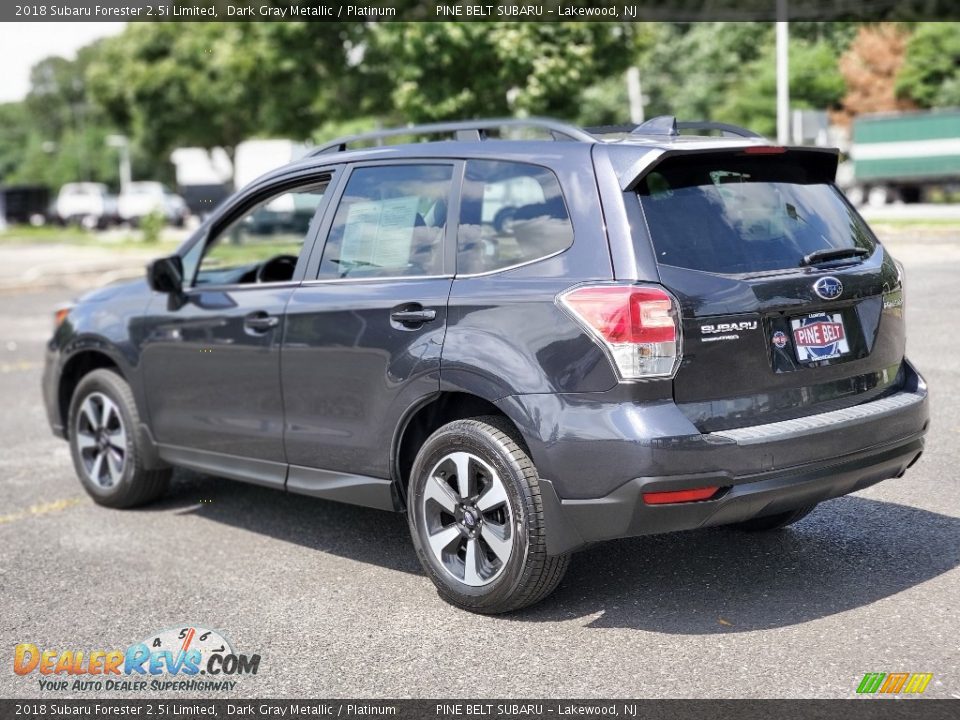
(332, 598)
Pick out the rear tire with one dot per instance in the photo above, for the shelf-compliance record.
(106, 445)
(775, 522)
(481, 540)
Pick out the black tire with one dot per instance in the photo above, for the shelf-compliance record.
(529, 575)
(135, 485)
(775, 522)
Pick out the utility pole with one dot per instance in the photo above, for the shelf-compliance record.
(783, 75)
(635, 94)
(122, 143)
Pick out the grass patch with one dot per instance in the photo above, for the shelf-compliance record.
(229, 256)
(121, 239)
(901, 223)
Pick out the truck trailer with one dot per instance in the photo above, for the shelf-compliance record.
(901, 157)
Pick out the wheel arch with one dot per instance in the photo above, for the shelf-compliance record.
(75, 368)
(81, 363)
(424, 419)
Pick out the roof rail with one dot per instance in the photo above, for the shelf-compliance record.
(470, 130)
(668, 125)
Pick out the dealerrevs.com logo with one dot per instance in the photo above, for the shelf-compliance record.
(186, 658)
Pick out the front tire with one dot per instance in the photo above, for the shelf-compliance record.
(476, 518)
(106, 445)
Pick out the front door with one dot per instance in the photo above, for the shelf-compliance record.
(212, 356)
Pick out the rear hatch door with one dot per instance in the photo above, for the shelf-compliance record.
(789, 304)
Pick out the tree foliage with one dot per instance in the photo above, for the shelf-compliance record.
(815, 84)
(168, 85)
(870, 68)
(211, 84)
(930, 75)
(690, 69)
(14, 134)
(57, 134)
(460, 70)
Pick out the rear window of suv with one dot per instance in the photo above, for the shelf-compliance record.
(736, 213)
(510, 214)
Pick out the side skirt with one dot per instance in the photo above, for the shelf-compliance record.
(342, 487)
(258, 472)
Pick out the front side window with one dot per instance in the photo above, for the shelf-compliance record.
(390, 222)
(510, 213)
(262, 245)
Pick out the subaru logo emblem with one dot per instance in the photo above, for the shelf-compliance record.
(829, 288)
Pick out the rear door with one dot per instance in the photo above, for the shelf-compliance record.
(789, 304)
(364, 333)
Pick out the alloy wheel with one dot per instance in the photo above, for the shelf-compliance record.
(101, 440)
(467, 519)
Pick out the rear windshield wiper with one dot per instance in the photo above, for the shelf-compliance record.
(819, 256)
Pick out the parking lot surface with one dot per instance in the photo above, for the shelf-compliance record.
(332, 597)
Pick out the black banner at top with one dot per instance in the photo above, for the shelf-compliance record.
(485, 11)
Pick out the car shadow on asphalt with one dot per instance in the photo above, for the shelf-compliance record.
(848, 553)
(370, 536)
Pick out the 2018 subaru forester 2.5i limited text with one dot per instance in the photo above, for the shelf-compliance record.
(527, 336)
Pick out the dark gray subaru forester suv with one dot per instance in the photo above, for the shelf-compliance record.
(527, 336)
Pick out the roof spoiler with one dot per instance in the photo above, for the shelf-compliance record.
(820, 162)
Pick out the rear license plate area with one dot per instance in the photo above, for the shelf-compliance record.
(819, 336)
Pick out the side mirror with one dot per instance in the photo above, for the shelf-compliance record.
(166, 275)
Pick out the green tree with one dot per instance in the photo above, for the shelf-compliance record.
(815, 83)
(14, 132)
(217, 84)
(725, 71)
(691, 68)
(441, 70)
(58, 130)
(930, 75)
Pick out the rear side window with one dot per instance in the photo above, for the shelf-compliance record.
(740, 214)
(390, 222)
(510, 213)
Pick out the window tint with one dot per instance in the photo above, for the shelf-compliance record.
(510, 213)
(390, 222)
(734, 214)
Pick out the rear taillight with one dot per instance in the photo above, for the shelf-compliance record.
(637, 324)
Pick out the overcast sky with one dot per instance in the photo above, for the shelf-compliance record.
(23, 44)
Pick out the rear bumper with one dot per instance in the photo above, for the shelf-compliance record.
(762, 470)
(623, 512)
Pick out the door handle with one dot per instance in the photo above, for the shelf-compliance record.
(260, 321)
(413, 316)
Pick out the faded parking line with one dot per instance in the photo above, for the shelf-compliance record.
(42, 509)
(19, 366)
